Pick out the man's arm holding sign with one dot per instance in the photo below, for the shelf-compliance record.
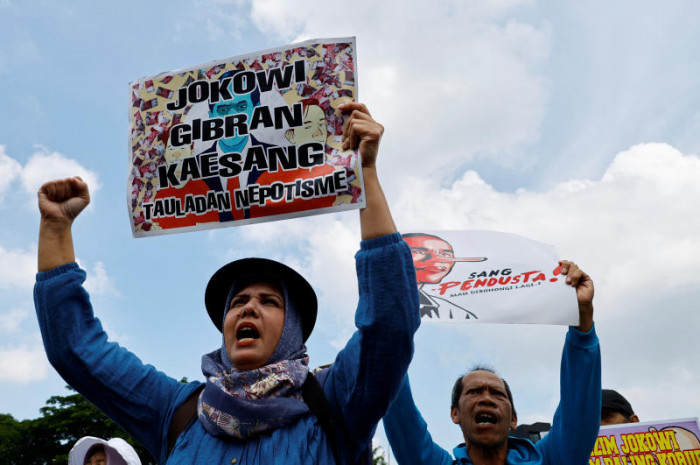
(577, 418)
(584, 293)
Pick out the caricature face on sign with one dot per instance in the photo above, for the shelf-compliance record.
(433, 257)
(240, 104)
(314, 129)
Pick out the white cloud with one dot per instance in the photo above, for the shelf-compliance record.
(9, 170)
(640, 216)
(23, 364)
(45, 166)
(10, 321)
(465, 81)
(42, 166)
(98, 282)
(17, 268)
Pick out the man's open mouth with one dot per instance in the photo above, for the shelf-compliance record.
(482, 418)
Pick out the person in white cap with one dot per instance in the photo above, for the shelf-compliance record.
(90, 450)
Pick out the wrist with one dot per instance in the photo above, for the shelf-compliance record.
(585, 312)
(55, 225)
(369, 171)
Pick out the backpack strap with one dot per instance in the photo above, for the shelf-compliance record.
(314, 397)
(182, 417)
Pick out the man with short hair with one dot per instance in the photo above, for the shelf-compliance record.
(482, 405)
(615, 409)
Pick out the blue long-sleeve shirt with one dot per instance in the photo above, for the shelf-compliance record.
(359, 387)
(569, 442)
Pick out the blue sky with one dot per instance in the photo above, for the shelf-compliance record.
(576, 124)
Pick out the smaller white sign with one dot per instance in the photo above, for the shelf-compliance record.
(490, 277)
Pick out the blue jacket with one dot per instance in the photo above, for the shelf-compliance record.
(360, 385)
(569, 442)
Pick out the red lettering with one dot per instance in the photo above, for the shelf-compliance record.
(445, 286)
(527, 274)
(466, 285)
(539, 277)
(480, 283)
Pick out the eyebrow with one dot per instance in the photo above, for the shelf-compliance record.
(262, 294)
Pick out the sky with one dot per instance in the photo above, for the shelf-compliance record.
(576, 124)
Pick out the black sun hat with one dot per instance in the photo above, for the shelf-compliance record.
(299, 290)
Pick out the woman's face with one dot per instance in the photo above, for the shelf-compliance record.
(253, 325)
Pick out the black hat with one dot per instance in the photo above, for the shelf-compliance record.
(613, 400)
(298, 288)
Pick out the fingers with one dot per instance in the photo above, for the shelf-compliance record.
(63, 189)
(352, 106)
(359, 126)
(574, 274)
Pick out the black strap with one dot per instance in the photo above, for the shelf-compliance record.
(312, 393)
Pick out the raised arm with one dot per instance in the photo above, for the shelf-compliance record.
(577, 418)
(367, 373)
(135, 395)
(60, 202)
(584, 293)
(408, 433)
(362, 131)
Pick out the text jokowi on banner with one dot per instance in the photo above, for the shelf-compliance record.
(671, 442)
(242, 140)
(489, 277)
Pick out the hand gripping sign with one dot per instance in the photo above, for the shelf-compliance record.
(243, 140)
(489, 277)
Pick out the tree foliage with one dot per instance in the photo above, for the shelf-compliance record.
(378, 457)
(48, 439)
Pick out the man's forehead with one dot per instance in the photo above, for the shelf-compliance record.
(483, 378)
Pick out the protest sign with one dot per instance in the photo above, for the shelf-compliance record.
(242, 140)
(489, 277)
(673, 442)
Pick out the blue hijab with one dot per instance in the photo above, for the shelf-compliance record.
(245, 403)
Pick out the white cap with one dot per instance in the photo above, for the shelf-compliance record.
(117, 450)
